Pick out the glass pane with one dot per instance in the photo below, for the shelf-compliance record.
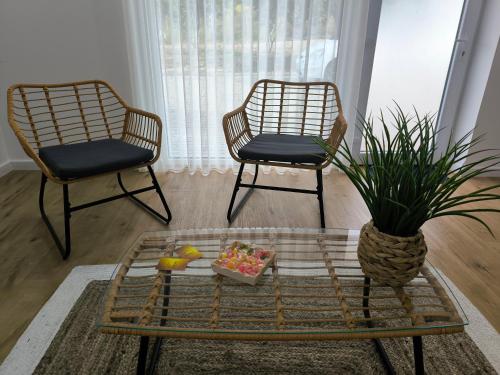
(414, 46)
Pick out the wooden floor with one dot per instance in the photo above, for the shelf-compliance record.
(31, 266)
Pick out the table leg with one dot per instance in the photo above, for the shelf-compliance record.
(418, 355)
(156, 349)
(366, 311)
(417, 340)
(143, 355)
(143, 349)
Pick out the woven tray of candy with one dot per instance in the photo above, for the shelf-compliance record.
(243, 262)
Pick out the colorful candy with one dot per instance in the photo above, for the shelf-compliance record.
(246, 259)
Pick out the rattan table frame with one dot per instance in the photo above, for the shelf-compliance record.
(362, 319)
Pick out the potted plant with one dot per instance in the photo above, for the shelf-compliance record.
(404, 182)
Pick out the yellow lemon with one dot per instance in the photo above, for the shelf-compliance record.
(172, 264)
(189, 252)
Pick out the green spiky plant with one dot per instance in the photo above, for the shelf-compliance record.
(405, 182)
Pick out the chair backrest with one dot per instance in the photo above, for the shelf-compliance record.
(48, 114)
(297, 108)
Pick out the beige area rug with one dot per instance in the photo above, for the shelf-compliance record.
(63, 339)
(78, 348)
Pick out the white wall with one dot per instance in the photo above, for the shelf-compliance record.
(59, 41)
(4, 158)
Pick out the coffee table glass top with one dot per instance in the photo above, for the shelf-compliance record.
(315, 290)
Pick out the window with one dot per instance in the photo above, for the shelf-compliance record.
(213, 51)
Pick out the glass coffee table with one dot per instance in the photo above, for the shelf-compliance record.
(314, 291)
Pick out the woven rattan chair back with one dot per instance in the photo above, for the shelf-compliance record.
(279, 107)
(79, 112)
(292, 108)
(51, 114)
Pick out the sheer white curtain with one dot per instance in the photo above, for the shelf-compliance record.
(194, 60)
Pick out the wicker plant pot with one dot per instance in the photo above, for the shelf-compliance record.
(390, 260)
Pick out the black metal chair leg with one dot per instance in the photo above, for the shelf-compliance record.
(255, 174)
(160, 193)
(235, 191)
(230, 213)
(65, 251)
(149, 209)
(319, 177)
(67, 217)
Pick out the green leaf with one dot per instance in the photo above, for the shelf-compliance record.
(403, 181)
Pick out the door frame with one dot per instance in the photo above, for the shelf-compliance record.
(457, 72)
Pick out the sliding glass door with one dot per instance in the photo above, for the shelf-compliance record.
(416, 45)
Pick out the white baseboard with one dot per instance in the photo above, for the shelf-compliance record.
(19, 165)
(23, 165)
(5, 168)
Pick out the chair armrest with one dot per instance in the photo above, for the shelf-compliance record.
(336, 136)
(338, 131)
(236, 131)
(143, 129)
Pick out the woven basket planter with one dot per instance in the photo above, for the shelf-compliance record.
(390, 260)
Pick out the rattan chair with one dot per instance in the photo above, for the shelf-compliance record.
(277, 124)
(79, 130)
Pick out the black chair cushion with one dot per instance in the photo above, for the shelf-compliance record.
(283, 148)
(91, 158)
